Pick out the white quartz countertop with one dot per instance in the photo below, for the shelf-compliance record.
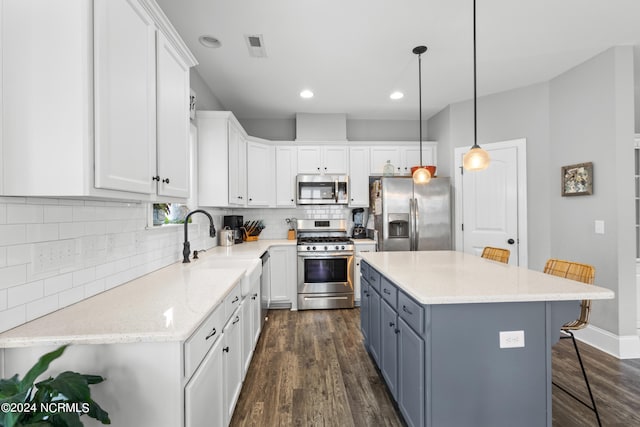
(165, 305)
(249, 249)
(449, 277)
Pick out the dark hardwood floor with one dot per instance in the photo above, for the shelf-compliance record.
(310, 369)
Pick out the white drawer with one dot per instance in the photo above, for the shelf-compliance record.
(198, 344)
(232, 301)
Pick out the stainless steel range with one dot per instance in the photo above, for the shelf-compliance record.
(325, 264)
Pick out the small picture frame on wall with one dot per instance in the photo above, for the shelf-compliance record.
(577, 180)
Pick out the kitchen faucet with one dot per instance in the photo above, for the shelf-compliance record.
(186, 250)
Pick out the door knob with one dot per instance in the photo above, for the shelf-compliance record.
(511, 241)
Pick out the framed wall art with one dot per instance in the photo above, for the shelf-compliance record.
(577, 180)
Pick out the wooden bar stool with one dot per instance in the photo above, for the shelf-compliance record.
(496, 254)
(584, 273)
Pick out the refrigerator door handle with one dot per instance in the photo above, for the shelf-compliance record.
(411, 225)
(416, 222)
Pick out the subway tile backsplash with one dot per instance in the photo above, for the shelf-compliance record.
(56, 252)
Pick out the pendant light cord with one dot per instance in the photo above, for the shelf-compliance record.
(475, 94)
(420, 101)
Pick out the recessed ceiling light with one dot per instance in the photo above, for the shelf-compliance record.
(210, 42)
(396, 95)
(306, 94)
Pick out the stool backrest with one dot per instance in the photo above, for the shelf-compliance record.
(579, 272)
(496, 254)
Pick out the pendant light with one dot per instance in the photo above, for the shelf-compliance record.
(476, 159)
(420, 175)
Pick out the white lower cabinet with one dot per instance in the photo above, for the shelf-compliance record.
(193, 383)
(284, 277)
(232, 363)
(204, 393)
(247, 335)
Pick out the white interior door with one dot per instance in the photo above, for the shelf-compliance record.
(491, 204)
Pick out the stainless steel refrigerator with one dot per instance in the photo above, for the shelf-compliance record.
(410, 217)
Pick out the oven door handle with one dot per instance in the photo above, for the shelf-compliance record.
(323, 255)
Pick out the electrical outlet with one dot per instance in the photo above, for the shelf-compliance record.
(511, 339)
(50, 256)
(599, 226)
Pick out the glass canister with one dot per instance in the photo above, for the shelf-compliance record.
(388, 169)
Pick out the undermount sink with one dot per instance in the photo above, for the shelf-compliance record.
(253, 269)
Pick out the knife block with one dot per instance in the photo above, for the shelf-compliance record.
(291, 235)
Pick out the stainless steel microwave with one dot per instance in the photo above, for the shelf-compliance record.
(322, 189)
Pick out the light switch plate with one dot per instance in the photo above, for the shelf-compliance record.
(599, 226)
(511, 339)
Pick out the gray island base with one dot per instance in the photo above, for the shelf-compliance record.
(449, 361)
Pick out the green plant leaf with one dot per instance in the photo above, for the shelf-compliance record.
(41, 365)
(66, 419)
(9, 387)
(95, 411)
(71, 384)
(93, 379)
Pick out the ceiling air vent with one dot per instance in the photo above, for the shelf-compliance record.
(255, 44)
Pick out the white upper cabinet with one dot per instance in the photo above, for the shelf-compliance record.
(222, 160)
(125, 96)
(286, 169)
(380, 155)
(359, 176)
(326, 159)
(261, 162)
(237, 165)
(402, 157)
(86, 118)
(173, 121)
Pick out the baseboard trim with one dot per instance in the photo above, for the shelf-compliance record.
(622, 347)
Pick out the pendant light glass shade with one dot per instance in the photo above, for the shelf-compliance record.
(421, 176)
(476, 159)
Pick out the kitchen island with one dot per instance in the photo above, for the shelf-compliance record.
(461, 340)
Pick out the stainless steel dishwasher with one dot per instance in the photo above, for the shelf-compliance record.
(265, 286)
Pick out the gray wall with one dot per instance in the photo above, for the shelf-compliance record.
(357, 130)
(585, 114)
(205, 99)
(592, 119)
(520, 113)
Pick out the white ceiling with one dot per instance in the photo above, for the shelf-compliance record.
(354, 53)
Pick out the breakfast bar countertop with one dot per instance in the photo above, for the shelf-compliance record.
(450, 277)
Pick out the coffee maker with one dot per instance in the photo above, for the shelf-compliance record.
(234, 222)
(359, 231)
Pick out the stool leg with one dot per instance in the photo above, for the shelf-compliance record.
(586, 380)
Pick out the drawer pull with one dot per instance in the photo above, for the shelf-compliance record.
(386, 291)
(235, 300)
(391, 324)
(226, 349)
(236, 320)
(213, 332)
(254, 296)
(406, 310)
